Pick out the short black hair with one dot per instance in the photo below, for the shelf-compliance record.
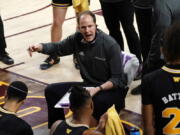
(78, 97)
(17, 90)
(86, 13)
(171, 42)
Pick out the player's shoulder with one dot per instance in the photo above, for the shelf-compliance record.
(157, 74)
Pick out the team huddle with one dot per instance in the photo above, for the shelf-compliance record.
(98, 57)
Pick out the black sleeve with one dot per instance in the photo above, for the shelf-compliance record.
(62, 48)
(115, 62)
(146, 91)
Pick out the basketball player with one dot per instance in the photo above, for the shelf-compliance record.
(161, 90)
(10, 124)
(81, 105)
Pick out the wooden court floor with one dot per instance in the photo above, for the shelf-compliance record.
(28, 23)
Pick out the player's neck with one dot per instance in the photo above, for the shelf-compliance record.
(11, 106)
(81, 119)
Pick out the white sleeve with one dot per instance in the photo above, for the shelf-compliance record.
(131, 68)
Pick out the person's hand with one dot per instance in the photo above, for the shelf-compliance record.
(34, 48)
(93, 90)
(102, 123)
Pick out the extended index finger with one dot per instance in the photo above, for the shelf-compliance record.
(29, 52)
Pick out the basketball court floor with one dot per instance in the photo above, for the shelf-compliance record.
(28, 22)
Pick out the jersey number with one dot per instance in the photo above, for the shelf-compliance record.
(171, 128)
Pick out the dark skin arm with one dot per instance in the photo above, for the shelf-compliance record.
(100, 130)
(92, 132)
(148, 119)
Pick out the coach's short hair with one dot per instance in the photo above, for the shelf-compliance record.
(86, 13)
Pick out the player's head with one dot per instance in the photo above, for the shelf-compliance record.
(80, 99)
(17, 90)
(171, 43)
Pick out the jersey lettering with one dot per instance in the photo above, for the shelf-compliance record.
(171, 97)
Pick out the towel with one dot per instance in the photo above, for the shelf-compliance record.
(80, 5)
(113, 125)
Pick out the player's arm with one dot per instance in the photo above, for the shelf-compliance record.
(100, 130)
(148, 119)
(34, 48)
(105, 86)
(92, 132)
